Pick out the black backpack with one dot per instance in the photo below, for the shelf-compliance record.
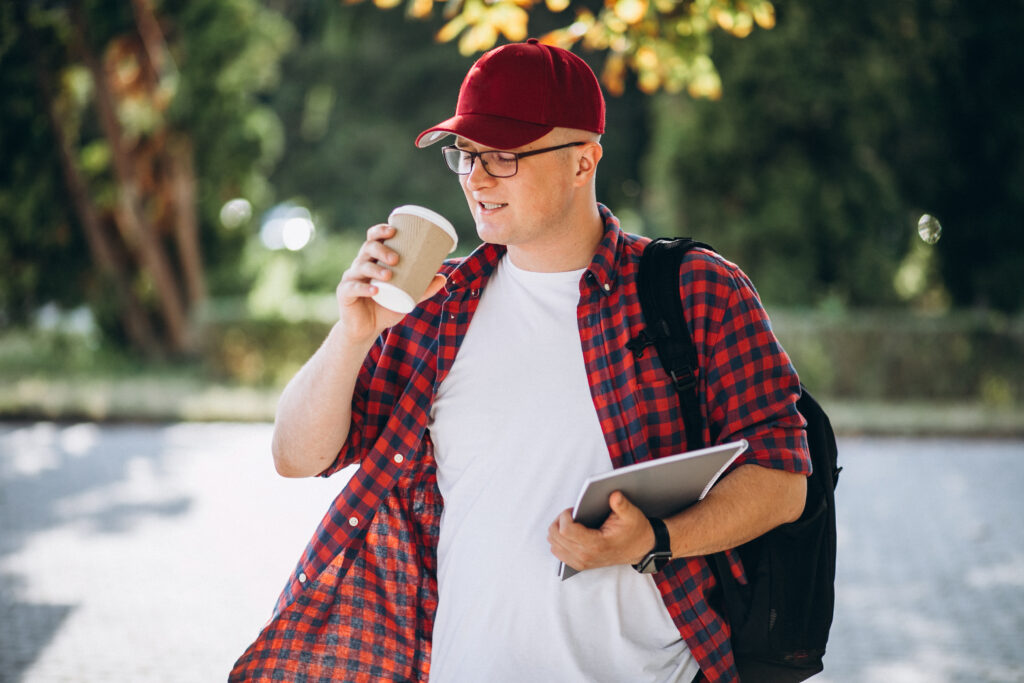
(781, 619)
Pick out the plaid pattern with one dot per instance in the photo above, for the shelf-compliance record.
(361, 602)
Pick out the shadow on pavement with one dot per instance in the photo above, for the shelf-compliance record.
(25, 630)
(54, 475)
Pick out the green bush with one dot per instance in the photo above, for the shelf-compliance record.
(260, 352)
(871, 355)
(906, 356)
(884, 356)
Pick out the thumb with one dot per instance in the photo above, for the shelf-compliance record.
(620, 504)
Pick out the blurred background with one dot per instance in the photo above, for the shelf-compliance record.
(184, 181)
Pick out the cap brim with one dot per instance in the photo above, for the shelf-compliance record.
(490, 131)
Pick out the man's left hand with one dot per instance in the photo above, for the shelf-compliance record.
(624, 538)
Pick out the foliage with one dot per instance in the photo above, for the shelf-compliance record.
(351, 102)
(893, 356)
(959, 143)
(664, 42)
(229, 55)
(144, 119)
(39, 243)
(834, 131)
(837, 130)
(867, 355)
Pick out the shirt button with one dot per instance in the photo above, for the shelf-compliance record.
(302, 577)
(607, 287)
(398, 458)
(353, 521)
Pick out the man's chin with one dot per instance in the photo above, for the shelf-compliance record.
(490, 233)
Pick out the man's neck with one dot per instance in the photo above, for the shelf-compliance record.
(569, 249)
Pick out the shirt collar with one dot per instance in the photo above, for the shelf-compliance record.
(473, 270)
(604, 267)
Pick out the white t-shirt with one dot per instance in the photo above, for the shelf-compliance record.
(515, 434)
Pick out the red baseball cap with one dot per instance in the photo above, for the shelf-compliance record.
(518, 93)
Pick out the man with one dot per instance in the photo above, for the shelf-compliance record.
(475, 419)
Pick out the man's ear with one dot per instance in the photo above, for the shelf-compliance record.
(589, 155)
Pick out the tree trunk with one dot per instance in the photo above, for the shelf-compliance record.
(186, 223)
(138, 232)
(178, 155)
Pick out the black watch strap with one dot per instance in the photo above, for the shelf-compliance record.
(659, 556)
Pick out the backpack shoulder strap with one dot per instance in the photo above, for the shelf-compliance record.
(666, 330)
(665, 325)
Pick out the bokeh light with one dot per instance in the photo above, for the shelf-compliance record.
(235, 213)
(287, 226)
(929, 228)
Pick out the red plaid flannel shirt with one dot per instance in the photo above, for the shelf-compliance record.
(361, 602)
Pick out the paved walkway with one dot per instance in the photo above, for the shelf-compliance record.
(154, 553)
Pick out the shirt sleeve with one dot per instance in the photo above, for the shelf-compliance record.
(750, 385)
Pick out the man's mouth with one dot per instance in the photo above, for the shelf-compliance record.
(490, 206)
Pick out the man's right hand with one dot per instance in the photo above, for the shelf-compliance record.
(314, 413)
(363, 319)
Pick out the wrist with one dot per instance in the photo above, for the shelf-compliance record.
(659, 555)
(343, 338)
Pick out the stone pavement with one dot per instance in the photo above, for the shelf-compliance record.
(155, 552)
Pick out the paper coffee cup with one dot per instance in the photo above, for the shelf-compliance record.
(422, 239)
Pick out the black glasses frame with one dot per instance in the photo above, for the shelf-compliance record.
(453, 163)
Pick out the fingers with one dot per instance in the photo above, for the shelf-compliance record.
(360, 316)
(621, 539)
(561, 535)
(576, 545)
(374, 256)
(370, 263)
(374, 247)
(560, 530)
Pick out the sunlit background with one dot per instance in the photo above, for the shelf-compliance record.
(183, 182)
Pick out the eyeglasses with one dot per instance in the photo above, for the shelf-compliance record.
(497, 164)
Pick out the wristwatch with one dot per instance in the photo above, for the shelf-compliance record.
(660, 554)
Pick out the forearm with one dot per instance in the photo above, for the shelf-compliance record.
(314, 412)
(748, 502)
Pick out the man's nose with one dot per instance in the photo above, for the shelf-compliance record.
(478, 176)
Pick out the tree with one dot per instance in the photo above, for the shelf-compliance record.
(113, 82)
(836, 131)
(664, 42)
(355, 94)
(959, 143)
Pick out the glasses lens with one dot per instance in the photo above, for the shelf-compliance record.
(499, 164)
(458, 161)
